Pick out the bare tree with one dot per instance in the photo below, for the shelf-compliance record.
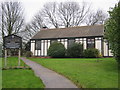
(33, 27)
(98, 17)
(12, 18)
(50, 14)
(44, 17)
(73, 13)
(65, 14)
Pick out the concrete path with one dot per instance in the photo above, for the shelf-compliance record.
(50, 78)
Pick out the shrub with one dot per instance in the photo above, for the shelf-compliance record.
(91, 53)
(56, 50)
(28, 54)
(75, 50)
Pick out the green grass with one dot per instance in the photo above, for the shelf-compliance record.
(0, 73)
(19, 78)
(13, 61)
(87, 73)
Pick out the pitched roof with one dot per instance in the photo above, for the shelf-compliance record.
(81, 31)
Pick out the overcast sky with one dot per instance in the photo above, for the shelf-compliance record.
(31, 7)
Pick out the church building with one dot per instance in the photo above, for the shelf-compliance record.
(89, 36)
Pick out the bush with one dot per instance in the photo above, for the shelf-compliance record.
(91, 53)
(56, 50)
(75, 50)
(28, 54)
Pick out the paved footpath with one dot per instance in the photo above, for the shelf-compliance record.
(50, 78)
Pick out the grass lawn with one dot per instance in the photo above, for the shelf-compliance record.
(0, 73)
(87, 73)
(13, 61)
(19, 78)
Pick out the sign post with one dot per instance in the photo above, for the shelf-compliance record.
(5, 57)
(12, 42)
(19, 57)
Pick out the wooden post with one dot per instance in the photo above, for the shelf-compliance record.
(5, 57)
(19, 57)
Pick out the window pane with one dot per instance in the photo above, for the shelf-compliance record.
(38, 45)
(90, 43)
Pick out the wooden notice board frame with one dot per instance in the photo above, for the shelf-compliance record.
(12, 42)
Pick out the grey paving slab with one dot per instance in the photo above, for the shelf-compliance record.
(50, 78)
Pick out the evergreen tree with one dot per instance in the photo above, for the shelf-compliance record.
(112, 31)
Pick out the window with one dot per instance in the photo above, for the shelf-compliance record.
(70, 42)
(38, 45)
(90, 43)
